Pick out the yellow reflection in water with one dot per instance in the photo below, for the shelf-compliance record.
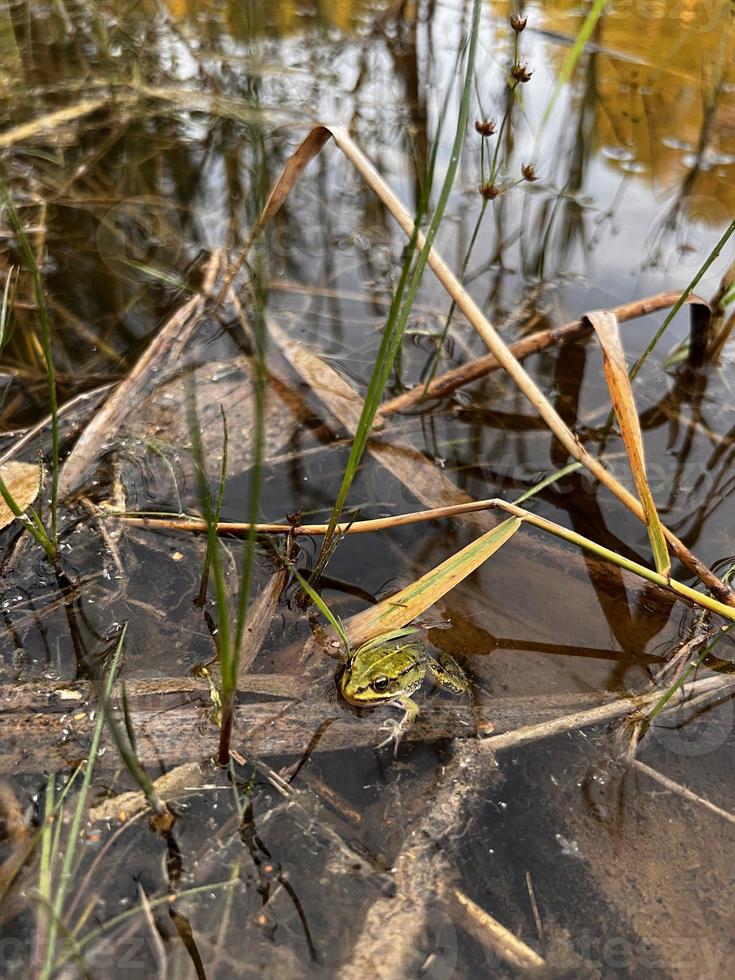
(278, 17)
(663, 82)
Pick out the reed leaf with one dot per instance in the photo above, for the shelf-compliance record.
(575, 53)
(606, 328)
(398, 610)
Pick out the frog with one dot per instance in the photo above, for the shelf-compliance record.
(390, 673)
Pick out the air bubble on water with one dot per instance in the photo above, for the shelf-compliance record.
(570, 848)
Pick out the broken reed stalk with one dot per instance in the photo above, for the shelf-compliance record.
(197, 526)
(627, 705)
(448, 382)
(315, 140)
(173, 334)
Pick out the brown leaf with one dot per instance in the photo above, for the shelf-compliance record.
(23, 481)
(605, 325)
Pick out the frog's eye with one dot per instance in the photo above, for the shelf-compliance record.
(380, 683)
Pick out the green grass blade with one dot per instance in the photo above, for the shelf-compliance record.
(575, 53)
(682, 299)
(31, 265)
(224, 633)
(323, 608)
(213, 543)
(547, 481)
(5, 308)
(398, 316)
(64, 881)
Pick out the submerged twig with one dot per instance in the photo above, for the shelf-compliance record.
(448, 382)
(51, 120)
(680, 790)
(492, 934)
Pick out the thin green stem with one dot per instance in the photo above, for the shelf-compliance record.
(399, 316)
(679, 683)
(46, 342)
(202, 595)
(73, 838)
(453, 307)
(682, 299)
(30, 520)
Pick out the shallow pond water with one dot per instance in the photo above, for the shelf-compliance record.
(138, 139)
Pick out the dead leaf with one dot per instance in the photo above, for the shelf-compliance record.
(605, 325)
(406, 605)
(23, 480)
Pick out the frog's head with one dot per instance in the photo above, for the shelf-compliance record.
(377, 675)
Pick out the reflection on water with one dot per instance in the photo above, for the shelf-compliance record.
(180, 115)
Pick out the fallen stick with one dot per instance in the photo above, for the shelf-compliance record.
(50, 726)
(446, 383)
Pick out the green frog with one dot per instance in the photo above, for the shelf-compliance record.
(389, 673)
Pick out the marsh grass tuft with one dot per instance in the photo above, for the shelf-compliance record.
(46, 537)
(54, 891)
(229, 636)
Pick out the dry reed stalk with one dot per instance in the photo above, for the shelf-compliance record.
(177, 329)
(51, 120)
(89, 398)
(604, 713)
(383, 523)
(308, 149)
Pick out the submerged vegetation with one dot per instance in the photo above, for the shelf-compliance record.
(288, 397)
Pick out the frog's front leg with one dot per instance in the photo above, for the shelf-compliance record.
(446, 672)
(397, 728)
